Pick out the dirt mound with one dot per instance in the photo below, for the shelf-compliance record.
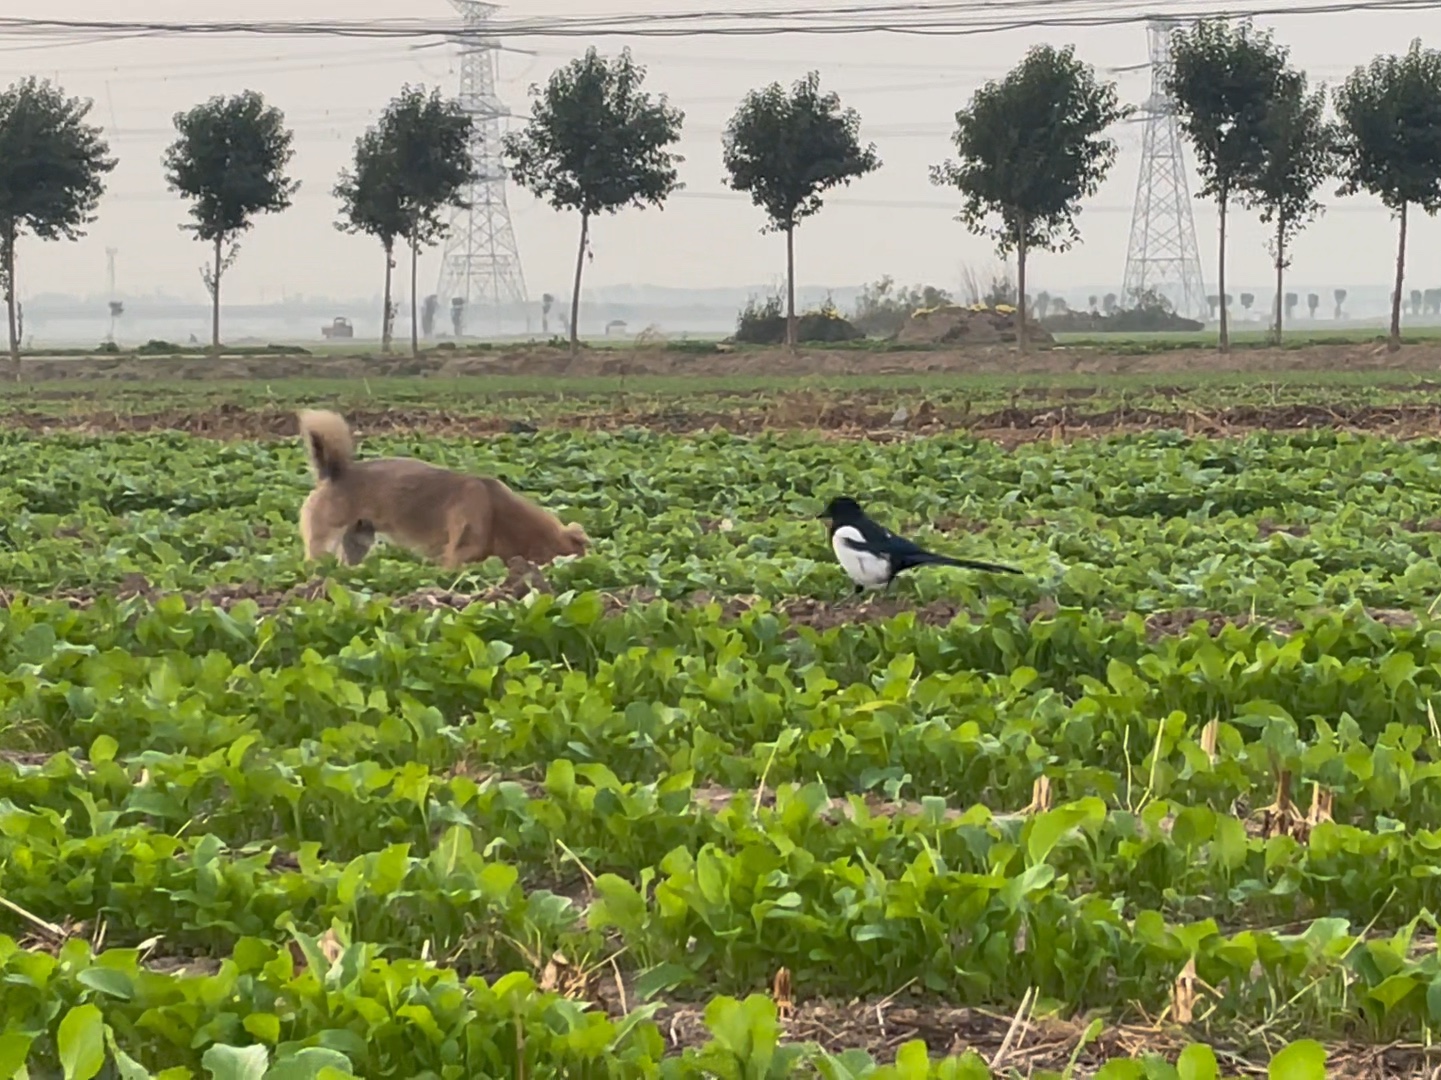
(978, 324)
(1121, 322)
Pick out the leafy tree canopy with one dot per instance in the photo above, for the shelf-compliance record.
(229, 160)
(368, 192)
(788, 149)
(425, 143)
(1298, 155)
(1030, 147)
(596, 141)
(1390, 113)
(1223, 77)
(52, 163)
(407, 168)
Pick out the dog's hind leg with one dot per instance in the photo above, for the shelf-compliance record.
(308, 537)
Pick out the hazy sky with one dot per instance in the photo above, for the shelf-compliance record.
(907, 90)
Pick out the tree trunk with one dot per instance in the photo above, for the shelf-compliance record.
(1280, 272)
(385, 327)
(215, 299)
(575, 291)
(791, 285)
(1224, 343)
(1394, 344)
(1021, 285)
(7, 252)
(414, 306)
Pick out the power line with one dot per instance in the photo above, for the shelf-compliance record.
(942, 19)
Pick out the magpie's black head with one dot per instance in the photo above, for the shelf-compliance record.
(841, 508)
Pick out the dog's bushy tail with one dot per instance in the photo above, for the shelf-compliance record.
(327, 440)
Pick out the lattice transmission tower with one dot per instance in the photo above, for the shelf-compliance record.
(1162, 254)
(480, 263)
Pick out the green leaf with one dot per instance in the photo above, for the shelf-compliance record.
(849, 1065)
(103, 749)
(263, 1026)
(125, 1065)
(1433, 1000)
(107, 981)
(1046, 830)
(309, 1064)
(236, 1062)
(661, 979)
(913, 1060)
(1301, 1060)
(14, 1049)
(1197, 1062)
(81, 1042)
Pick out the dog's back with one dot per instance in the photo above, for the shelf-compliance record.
(451, 516)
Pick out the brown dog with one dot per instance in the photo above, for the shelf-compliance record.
(446, 516)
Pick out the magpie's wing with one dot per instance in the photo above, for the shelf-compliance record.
(870, 547)
(879, 535)
(881, 541)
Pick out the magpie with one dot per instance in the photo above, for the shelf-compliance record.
(873, 555)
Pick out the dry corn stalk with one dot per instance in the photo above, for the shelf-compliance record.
(781, 992)
(1183, 994)
(1040, 796)
(1209, 736)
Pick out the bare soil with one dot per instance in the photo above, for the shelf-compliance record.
(881, 1027)
(857, 416)
(591, 363)
(74, 399)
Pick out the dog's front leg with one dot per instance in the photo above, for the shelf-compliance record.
(452, 557)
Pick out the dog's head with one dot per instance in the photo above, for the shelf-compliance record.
(573, 540)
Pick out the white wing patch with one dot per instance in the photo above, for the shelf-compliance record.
(864, 568)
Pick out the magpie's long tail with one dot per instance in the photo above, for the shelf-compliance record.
(930, 558)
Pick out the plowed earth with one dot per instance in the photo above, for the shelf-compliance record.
(844, 419)
(593, 363)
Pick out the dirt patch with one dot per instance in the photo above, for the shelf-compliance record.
(24, 758)
(880, 1026)
(1164, 624)
(803, 411)
(590, 363)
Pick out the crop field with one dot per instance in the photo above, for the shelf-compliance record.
(1166, 805)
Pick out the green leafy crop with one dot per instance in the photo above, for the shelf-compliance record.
(263, 819)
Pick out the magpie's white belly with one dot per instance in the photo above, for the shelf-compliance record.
(865, 569)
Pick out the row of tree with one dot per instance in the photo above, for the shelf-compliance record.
(1029, 148)
(1032, 144)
